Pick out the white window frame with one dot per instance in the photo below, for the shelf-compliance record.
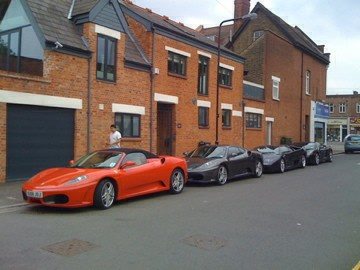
(342, 108)
(307, 82)
(357, 107)
(275, 88)
(331, 108)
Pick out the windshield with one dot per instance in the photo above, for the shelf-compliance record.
(210, 152)
(102, 159)
(310, 146)
(355, 138)
(269, 150)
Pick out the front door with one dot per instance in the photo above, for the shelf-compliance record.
(164, 129)
(269, 133)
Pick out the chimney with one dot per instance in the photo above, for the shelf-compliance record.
(241, 8)
(355, 93)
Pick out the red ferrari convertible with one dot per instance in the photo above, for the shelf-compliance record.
(104, 176)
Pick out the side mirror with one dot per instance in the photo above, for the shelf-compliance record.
(249, 153)
(71, 162)
(128, 164)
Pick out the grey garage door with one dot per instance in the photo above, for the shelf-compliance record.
(37, 138)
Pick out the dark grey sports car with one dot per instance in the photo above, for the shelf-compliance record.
(212, 163)
(316, 152)
(282, 158)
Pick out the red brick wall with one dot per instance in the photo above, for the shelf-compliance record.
(65, 76)
(188, 136)
(253, 136)
(130, 85)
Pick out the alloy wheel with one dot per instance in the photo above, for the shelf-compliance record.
(107, 194)
(282, 165)
(258, 169)
(222, 175)
(177, 181)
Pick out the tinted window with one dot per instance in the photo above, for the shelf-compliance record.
(210, 152)
(354, 138)
(106, 58)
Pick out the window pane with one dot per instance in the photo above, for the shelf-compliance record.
(203, 75)
(176, 63)
(14, 51)
(100, 67)
(3, 51)
(15, 17)
(32, 53)
(127, 126)
(136, 126)
(110, 68)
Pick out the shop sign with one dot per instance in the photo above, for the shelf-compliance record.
(355, 120)
(321, 110)
(337, 121)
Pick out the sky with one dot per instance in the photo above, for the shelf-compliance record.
(333, 23)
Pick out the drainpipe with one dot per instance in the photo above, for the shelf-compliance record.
(89, 96)
(71, 10)
(152, 86)
(301, 96)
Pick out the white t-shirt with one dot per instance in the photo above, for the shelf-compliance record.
(114, 137)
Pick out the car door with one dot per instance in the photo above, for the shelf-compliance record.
(237, 161)
(141, 178)
(323, 151)
(288, 155)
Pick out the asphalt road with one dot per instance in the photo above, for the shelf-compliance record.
(303, 219)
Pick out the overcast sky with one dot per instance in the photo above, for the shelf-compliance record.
(334, 23)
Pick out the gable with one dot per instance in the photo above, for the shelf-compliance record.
(107, 17)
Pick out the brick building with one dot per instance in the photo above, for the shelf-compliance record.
(69, 69)
(286, 72)
(344, 115)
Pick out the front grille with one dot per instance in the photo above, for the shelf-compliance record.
(56, 199)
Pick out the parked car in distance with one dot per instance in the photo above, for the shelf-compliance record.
(213, 163)
(104, 176)
(352, 143)
(316, 152)
(282, 158)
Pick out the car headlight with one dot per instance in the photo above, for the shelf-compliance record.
(76, 180)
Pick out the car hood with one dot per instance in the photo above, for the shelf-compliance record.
(196, 162)
(55, 177)
(270, 158)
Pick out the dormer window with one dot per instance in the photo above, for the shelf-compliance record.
(20, 49)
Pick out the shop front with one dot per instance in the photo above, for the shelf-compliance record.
(319, 117)
(337, 129)
(354, 123)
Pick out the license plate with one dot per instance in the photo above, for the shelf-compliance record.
(34, 194)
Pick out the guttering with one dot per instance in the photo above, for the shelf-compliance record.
(89, 96)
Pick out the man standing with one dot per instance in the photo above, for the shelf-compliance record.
(114, 138)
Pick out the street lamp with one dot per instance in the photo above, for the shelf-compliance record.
(250, 16)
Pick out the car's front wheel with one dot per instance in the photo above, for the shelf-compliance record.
(177, 181)
(222, 175)
(282, 165)
(258, 169)
(104, 196)
(303, 161)
(316, 159)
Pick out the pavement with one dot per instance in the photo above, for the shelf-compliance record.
(337, 147)
(10, 193)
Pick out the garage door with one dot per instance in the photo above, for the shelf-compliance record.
(37, 138)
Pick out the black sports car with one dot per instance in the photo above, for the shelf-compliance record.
(282, 158)
(212, 163)
(316, 152)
